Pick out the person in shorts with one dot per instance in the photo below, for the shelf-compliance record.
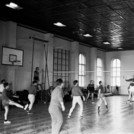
(6, 102)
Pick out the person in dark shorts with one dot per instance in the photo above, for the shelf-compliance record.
(6, 102)
(90, 89)
(56, 107)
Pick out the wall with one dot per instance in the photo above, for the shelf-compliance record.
(8, 39)
(62, 43)
(12, 35)
(19, 37)
(127, 67)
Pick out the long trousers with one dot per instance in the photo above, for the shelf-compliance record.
(56, 118)
(76, 99)
(102, 99)
(31, 99)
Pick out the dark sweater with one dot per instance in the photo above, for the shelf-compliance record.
(33, 90)
(4, 95)
(76, 91)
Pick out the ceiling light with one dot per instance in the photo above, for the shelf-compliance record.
(87, 35)
(13, 6)
(59, 24)
(106, 43)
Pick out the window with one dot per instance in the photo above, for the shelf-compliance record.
(116, 65)
(99, 70)
(82, 66)
(61, 66)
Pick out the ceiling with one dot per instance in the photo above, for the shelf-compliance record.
(106, 20)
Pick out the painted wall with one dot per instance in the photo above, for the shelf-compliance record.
(62, 43)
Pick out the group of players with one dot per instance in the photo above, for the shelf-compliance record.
(57, 104)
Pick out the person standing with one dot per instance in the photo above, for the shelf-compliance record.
(77, 94)
(56, 107)
(36, 75)
(101, 96)
(90, 89)
(6, 102)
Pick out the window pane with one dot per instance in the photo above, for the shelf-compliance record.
(81, 81)
(113, 81)
(114, 63)
(118, 63)
(99, 62)
(118, 81)
(99, 72)
(81, 59)
(114, 73)
(118, 72)
(79, 69)
(83, 70)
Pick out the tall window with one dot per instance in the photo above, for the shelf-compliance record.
(99, 70)
(116, 65)
(82, 69)
(61, 66)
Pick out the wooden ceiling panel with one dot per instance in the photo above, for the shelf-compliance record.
(105, 20)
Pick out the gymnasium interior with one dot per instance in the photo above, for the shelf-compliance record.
(73, 40)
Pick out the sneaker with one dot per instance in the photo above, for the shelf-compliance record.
(29, 112)
(68, 116)
(7, 122)
(25, 107)
(98, 109)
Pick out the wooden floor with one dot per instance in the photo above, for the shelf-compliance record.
(118, 120)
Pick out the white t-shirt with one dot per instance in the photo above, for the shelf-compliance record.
(1, 88)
